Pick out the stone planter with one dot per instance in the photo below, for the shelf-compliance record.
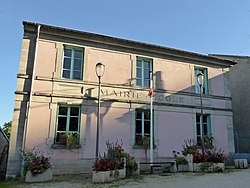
(219, 167)
(209, 167)
(182, 167)
(45, 176)
(203, 167)
(241, 163)
(108, 176)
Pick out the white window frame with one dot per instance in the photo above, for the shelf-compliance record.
(68, 116)
(142, 70)
(72, 62)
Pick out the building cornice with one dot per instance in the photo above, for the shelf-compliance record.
(130, 46)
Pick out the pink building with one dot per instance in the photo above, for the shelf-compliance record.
(57, 91)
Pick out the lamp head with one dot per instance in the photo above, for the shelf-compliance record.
(99, 69)
(200, 79)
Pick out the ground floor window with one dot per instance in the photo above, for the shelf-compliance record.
(208, 139)
(68, 124)
(142, 126)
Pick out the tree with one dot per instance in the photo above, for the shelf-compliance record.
(7, 128)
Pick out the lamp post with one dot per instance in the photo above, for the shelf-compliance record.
(99, 69)
(200, 79)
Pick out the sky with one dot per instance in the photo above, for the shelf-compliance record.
(201, 26)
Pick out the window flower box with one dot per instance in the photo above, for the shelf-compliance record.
(209, 167)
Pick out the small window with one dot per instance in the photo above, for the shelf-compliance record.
(143, 69)
(142, 126)
(72, 63)
(208, 139)
(68, 123)
(198, 70)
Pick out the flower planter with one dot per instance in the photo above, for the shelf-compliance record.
(108, 176)
(219, 167)
(189, 158)
(182, 167)
(45, 176)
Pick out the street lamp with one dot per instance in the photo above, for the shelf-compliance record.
(99, 69)
(200, 79)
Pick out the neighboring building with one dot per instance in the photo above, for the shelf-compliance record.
(240, 90)
(4, 146)
(57, 68)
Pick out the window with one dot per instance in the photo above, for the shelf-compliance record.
(143, 68)
(142, 126)
(72, 63)
(68, 122)
(198, 70)
(207, 130)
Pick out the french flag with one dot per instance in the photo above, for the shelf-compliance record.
(150, 92)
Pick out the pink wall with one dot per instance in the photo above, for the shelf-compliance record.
(220, 133)
(118, 66)
(38, 129)
(170, 72)
(173, 129)
(115, 125)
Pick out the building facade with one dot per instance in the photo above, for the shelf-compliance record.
(239, 81)
(57, 94)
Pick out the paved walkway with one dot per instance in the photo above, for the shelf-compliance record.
(230, 179)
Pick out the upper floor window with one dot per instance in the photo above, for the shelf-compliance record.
(198, 70)
(207, 132)
(68, 123)
(142, 126)
(72, 63)
(143, 69)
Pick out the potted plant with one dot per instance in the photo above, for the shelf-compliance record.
(37, 167)
(181, 162)
(111, 166)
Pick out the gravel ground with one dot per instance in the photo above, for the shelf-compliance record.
(231, 178)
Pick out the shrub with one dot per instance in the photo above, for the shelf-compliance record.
(178, 159)
(189, 147)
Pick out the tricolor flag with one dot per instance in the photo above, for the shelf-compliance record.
(150, 92)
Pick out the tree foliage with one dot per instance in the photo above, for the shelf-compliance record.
(7, 128)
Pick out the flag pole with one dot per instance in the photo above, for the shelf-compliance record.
(151, 116)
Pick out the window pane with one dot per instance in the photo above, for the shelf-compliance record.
(138, 63)
(147, 115)
(146, 83)
(63, 110)
(61, 138)
(78, 54)
(77, 64)
(138, 127)
(205, 128)
(73, 126)
(67, 52)
(138, 114)
(198, 140)
(66, 74)
(138, 140)
(138, 73)
(74, 111)
(197, 118)
(66, 63)
(198, 131)
(146, 73)
(62, 123)
(138, 82)
(147, 127)
(146, 65)
(204, 119)
(77, 75)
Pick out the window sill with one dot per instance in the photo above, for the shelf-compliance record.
(142, 147)
(60, 146)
